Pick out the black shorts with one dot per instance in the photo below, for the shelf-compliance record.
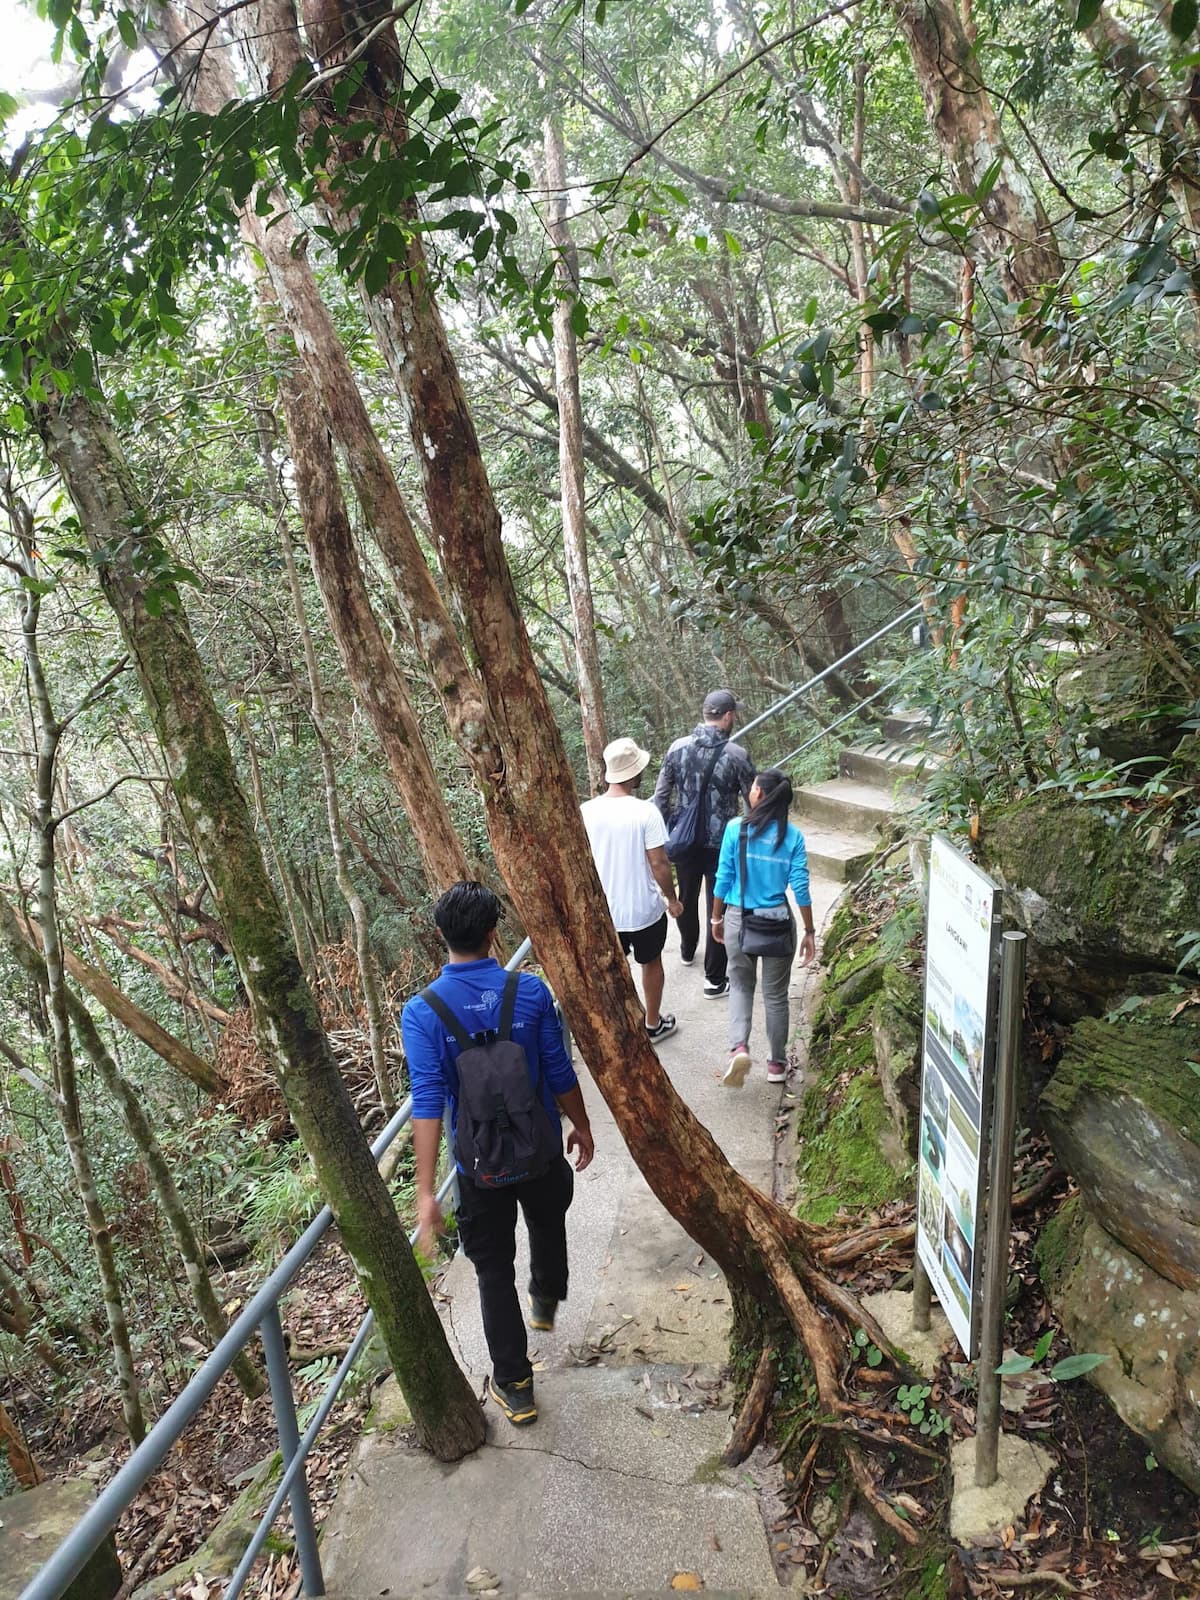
(647, 943)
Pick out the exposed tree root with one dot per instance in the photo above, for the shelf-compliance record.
(876, 1499)
(753, 1415)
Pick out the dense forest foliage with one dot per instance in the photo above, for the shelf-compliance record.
(878, 304)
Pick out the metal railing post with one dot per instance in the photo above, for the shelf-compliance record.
(289, 1443)
(999, 1210)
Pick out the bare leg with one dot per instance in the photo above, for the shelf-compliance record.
(653, 980)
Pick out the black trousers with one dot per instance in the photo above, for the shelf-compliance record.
(700, 867)
(487, 1226)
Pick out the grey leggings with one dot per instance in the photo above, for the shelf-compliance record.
(743, 976)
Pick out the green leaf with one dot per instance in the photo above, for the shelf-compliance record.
(1184, 15)
(1087, 13)
(579, 319)
(1042, 1348)
(1013, 1365)
(874, 1356)
(1075, 1366)
(127, 28)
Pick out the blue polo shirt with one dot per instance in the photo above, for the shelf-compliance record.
(472, 990)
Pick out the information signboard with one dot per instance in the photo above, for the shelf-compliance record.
(959, 1035)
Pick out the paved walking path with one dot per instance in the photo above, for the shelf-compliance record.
(619, 1484)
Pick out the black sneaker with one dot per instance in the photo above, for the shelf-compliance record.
(515, 1400)
(662, 1028)
(716, 991)
(542, 1314)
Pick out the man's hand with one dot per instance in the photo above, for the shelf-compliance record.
(580, 1141)
(674, 907)
(808, 948)
(431, 1224)
(718, 929)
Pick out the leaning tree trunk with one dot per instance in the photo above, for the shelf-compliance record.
(191, 1251)
(570, 459)
(122, 1009)
(84, 448)
(532, 808)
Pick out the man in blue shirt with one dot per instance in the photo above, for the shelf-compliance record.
(471, 985)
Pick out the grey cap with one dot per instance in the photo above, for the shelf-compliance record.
(721, 701)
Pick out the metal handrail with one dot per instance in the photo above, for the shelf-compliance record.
(837, 722)
(68, 1560)
(794, 694)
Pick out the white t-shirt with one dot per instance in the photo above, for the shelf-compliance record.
(621, 828)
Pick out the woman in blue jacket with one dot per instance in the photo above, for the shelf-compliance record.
(775, 861)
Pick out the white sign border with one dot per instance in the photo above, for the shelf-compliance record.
(928, 1260)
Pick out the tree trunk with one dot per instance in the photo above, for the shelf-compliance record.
(1013, 224)
(20, 1462)
(367, 974)
(62, 1052)
(17, 1317)
(84, 448)
(142, 1132)
(570, 460)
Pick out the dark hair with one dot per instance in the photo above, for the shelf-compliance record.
(774, 803)
(465, 915)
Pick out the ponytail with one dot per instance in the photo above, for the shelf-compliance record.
(774, 803)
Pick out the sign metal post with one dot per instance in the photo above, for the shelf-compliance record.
(999, 1210)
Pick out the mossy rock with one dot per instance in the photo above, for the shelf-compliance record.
(1102, 905)
(896, 1038)
(34, 1522)
(1123, 1112)
(850, 1154)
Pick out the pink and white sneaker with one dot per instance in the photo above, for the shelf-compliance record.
(739, 1066)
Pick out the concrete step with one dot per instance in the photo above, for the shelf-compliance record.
(835, 853)
(846, 804)
(886, 764)
(905, 725)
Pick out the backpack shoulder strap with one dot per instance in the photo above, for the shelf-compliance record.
(742, 862)
(439, 1007)
(508, 1005)
(708, 772)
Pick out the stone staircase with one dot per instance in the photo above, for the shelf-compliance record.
(842, 818)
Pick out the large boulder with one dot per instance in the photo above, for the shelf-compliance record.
(1111, 1303)
(1128, 704)
(1123, 1113)
(1105, 907)
(32, 1526)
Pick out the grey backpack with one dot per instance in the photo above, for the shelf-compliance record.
(504, 1133)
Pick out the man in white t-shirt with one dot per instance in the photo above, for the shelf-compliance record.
(628, 838)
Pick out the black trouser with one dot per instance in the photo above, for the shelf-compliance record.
(699, 867)
(487, 1226)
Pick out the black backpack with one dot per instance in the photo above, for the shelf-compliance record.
(504, 1134)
